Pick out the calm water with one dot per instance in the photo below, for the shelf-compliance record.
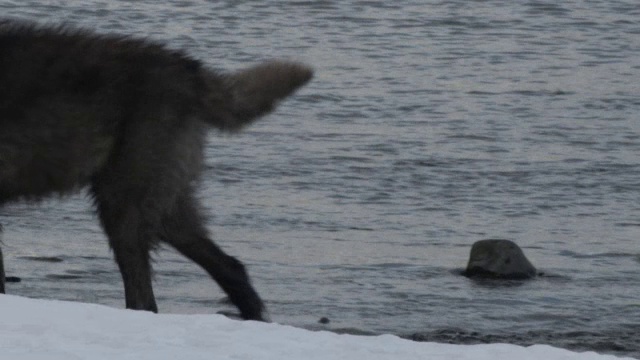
(428, 127)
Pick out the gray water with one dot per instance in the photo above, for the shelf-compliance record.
(430, 125)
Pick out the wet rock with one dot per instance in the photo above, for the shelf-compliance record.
(500, 259)
(324, 320)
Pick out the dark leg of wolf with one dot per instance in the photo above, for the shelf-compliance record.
(1, 271)
(130, 240)
(183, 229)
(2, 276)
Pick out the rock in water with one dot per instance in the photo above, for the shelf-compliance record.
(500, 259)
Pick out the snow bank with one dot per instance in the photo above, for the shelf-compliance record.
(40, 329)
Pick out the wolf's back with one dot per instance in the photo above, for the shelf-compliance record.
(45, 64)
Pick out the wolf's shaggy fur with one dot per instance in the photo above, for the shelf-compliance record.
(127, 118)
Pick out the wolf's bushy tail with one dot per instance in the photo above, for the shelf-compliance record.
(253, 92)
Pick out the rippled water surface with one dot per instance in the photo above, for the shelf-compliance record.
(429, 126)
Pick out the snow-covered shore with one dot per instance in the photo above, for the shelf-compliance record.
(42, 329)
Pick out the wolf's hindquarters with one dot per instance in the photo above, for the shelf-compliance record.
(127, 117)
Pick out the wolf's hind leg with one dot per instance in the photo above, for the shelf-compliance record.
(131, 241)
(183, 230)
(1, 270)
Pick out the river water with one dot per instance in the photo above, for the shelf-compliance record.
(429, 125)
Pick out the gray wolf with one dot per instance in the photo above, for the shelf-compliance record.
(127, 118)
